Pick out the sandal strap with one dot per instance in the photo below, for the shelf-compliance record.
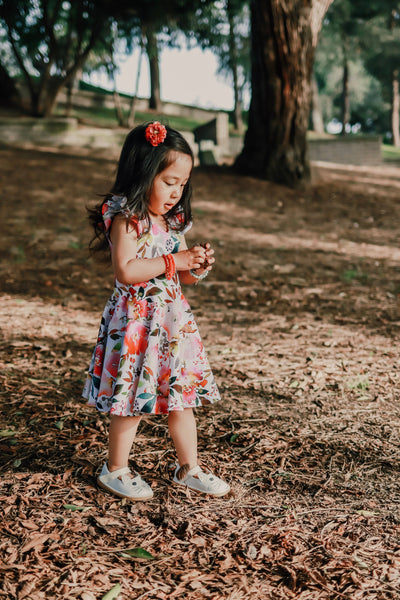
(115, 474)
(194, 471)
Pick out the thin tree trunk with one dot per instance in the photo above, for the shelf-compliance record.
(48, 102)
(132, 109)
(395, 108)
(345, 100)
(284, 36)
(152, 53)
(117, 98)
(72, 87)
(9, 94)
(237, 111)
(70, 92)
(317, 122)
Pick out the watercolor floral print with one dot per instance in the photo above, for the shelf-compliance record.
(149, 357)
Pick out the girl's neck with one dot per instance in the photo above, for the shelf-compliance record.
(159, 220)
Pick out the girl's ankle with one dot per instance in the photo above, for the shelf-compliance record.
(112, 467)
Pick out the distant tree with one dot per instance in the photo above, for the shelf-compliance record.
(50, 41)
(364, 98)
(283, 40)
(342, 20)
(316, 118)
(224, 27)
(152, 49)
(383, 32)
(156, 25)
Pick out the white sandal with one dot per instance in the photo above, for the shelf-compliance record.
(122, 485)
(206, 483)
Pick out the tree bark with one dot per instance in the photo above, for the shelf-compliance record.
(152, 53)
(284, 37)
(395, 108)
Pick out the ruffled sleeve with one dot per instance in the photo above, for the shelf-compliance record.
(117, 205)
(175, 222)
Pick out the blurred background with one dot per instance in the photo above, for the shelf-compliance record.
(108, 64)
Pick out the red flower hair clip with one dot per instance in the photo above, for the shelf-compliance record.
(156, 133)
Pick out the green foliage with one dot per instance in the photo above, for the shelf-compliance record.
(385, 36)
(224, 27)
(48, 41)
(368, 36)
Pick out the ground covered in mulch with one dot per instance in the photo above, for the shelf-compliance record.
(301, 322)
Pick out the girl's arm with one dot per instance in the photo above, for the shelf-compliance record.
(129, 269)
(185, 276)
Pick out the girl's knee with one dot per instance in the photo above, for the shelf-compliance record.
(178, 415)
(125, 422)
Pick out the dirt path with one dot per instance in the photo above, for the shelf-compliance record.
(300, 319)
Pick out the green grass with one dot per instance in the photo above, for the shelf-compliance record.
(106, 117)
(390, 153)
(354, 274)
(361, 382)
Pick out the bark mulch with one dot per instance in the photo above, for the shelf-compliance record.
(300, 319)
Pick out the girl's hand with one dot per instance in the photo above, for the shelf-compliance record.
(209, 256)
(192, 258)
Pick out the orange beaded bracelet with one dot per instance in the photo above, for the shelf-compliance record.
(170, 267)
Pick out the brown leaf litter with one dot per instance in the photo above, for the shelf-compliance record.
(300, 318)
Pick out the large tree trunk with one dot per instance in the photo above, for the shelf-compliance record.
(284, 37)
(152, 53)
(395, 108)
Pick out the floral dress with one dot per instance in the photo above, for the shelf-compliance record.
(149, 357)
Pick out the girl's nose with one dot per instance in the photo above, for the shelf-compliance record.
(175, 192)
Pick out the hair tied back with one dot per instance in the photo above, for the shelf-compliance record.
(156, 133)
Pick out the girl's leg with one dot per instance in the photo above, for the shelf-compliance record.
(115, 476)
(182, 428)
(122, 433)
(183, 431)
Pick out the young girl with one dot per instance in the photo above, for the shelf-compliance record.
(149, 358)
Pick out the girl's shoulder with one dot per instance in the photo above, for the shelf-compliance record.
(117, 206)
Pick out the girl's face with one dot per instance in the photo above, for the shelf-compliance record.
(168, 185)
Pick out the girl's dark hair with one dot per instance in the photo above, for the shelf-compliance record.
(138, 165)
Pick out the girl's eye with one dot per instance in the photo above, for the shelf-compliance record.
(182, 185)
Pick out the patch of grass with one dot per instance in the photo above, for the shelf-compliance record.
(105, 117)
(361, 382)
(354, 275)
(18, 254)
(390, 153)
